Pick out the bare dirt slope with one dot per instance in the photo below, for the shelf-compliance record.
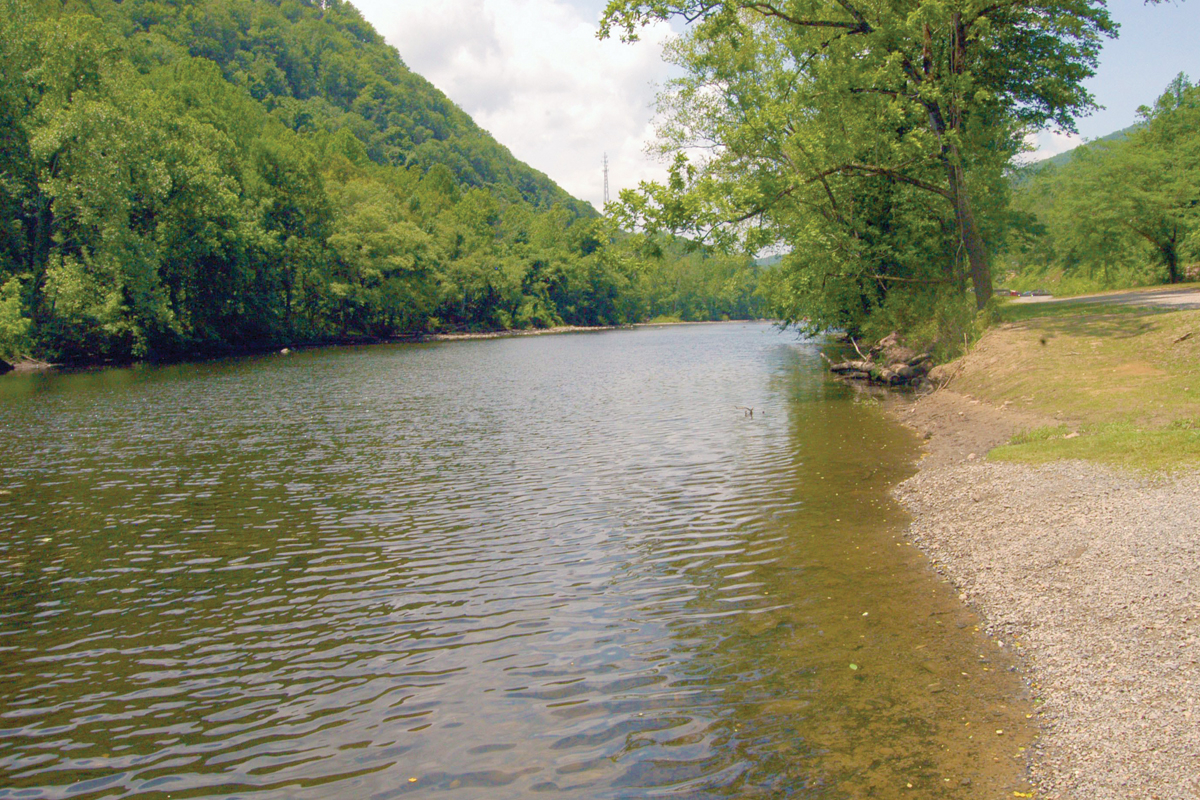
(960, 428)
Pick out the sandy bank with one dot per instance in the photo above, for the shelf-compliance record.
(1090, 574)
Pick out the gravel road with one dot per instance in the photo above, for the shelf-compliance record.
(1091, 575)
(1178, 299)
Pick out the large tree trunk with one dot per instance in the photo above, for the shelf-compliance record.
(1170, 253)
(977, 257)
(972, 242)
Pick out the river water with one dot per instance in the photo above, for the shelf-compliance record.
(565, 566)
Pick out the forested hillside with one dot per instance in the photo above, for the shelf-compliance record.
(1065, 158)
(198, 176)
(1120, 212)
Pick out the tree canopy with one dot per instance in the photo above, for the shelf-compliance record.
(870, 139)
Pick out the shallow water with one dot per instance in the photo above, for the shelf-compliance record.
(562, 566)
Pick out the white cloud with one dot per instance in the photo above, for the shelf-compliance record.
(1047, 144)
(534, 75)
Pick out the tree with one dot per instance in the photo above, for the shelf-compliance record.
(798, 102)
(383, 256)
(1117, 202)
(1160, 175)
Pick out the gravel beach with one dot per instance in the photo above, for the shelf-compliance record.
(1090, 575)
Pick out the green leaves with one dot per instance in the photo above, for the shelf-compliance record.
(14, 325)
(1124, 211)
(870, 140)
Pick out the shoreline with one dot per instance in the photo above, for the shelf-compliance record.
(1087, 573)
(511, 334)
(26, 366)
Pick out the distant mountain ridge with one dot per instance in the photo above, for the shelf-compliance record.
(1066, 156)
(318, 64)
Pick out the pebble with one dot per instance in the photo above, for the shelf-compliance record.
(1090, 575)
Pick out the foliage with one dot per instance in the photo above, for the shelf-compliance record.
(200, 176)
(14, 326)
(1120, 212)
(870, 140)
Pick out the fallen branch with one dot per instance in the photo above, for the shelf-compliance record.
(900, 372)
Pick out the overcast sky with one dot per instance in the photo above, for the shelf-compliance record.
(533, 74)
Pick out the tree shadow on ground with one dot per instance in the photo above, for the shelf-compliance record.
(1098, 320)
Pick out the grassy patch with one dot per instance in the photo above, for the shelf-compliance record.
(1154, 450)
(1125, 379)
(1157, 287)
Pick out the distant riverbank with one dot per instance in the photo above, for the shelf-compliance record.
(455, 337)
(26, 365)
(1085, 569)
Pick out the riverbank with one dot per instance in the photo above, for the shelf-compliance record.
(35, 365)
(1085, 569)
(508, 334)
(26, 365)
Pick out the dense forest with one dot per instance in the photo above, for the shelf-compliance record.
(183, 177)
(1117, 212)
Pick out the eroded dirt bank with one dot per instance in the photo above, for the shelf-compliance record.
(1090, 574)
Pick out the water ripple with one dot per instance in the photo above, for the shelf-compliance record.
(564, 565)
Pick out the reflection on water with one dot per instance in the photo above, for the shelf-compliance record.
(563, 566)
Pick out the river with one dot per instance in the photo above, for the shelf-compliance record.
(563, 566)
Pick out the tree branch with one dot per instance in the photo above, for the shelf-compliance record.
(863, 25)
(909, 280)
(768, 10)
(871, 169)
(888, 92)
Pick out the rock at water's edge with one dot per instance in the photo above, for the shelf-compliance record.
(5, 366)
(909, 372)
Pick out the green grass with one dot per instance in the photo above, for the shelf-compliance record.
(1169, 449)
(1123, 383)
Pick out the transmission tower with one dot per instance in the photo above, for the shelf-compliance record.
(606, 179)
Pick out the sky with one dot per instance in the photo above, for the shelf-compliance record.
(1155, 43)
(533, 74)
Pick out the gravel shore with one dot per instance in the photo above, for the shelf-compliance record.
(1090, 574)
